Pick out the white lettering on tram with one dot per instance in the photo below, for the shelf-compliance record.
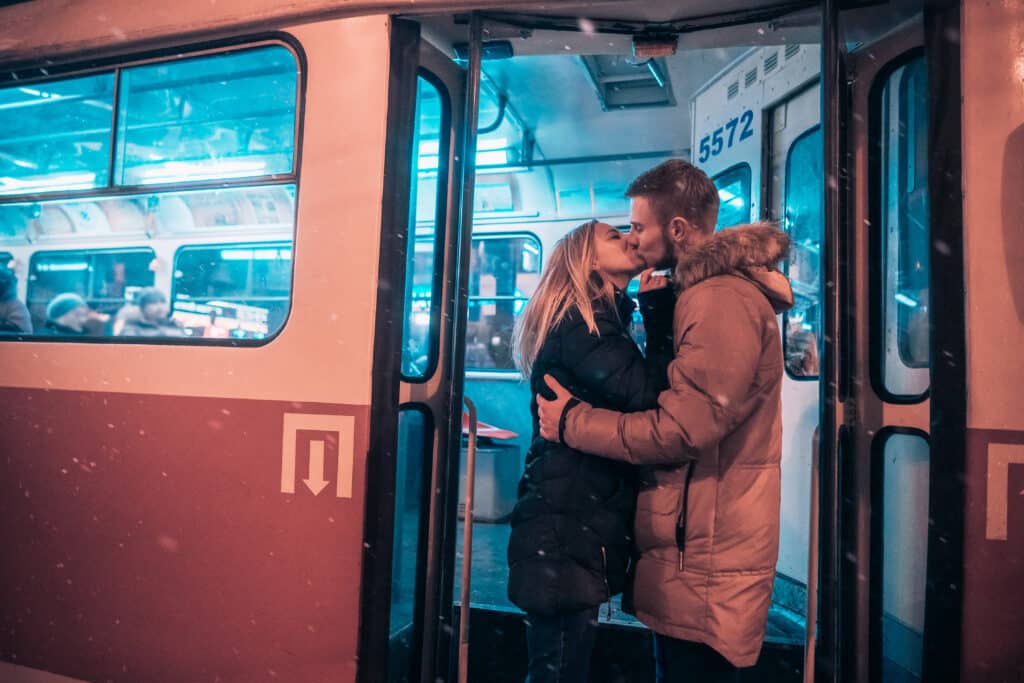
(340, 426)
(1000, 457)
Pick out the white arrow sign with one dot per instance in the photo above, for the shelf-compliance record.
(316, 481)
(342, 426)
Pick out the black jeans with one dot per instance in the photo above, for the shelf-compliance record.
(684, 661)
(559, 647)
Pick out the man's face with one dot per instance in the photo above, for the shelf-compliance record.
(649, 235)
(155, 311)
(75, 318)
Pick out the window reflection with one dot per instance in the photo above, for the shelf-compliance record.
(904, 561)
(803, 218)
(503, 273)
(734, 196)
(56, 135)
(227, 116)
(904, 218)
(103, 280)
(426, 216)
(239, 291)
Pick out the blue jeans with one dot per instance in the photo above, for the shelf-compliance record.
(684, 661)
(559, 646)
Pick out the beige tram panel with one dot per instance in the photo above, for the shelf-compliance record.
(324, 352)
(47, 28)
(993, 163)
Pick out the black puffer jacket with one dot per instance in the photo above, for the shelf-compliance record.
(572, 526)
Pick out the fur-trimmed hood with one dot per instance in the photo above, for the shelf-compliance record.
(749, 251)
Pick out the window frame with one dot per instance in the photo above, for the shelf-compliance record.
(42, 75)
(910, 150)
(877, 239)
(785, 263)
(440, 235)
(747, 185)
(513, 372)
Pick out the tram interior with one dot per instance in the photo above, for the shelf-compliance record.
(566, 123)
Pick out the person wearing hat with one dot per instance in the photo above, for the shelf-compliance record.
(66, 315)
(152, 319)
(14, 315)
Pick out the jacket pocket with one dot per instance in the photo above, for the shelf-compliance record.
(657, 511)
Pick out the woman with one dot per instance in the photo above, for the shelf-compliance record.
(571, 527)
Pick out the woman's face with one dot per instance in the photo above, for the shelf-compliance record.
(616, 256)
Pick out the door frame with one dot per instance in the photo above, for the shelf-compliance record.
(379, 518)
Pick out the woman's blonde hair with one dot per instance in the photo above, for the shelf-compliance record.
(569, 281)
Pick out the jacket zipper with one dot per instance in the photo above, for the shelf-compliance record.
(681, 520)
(604, 574)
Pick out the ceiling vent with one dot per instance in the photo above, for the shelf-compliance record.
(623, 82)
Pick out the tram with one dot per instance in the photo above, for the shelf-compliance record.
(346, 207)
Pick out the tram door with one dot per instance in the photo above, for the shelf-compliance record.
(883, 375)
(425, 404)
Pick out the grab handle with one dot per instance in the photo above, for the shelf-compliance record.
(467, 545)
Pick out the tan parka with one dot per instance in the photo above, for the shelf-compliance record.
(707, 520)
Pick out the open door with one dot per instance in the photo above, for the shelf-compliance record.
(876, 385)
(420, 249)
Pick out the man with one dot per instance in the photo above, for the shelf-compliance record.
(152, 318)
(707, 520)
(67, 315)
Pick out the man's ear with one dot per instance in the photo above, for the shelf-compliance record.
(677, 229)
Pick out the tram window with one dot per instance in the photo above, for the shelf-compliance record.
(904, 562)
(104, 279)
(734, 196)
(415, 438)
(803, 218)
(237, 291)
(904, 229)
(227, 115)
(427, 205)
(504, 272)
(56, 135)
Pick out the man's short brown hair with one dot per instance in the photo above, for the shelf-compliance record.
(678, 188)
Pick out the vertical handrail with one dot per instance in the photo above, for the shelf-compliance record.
(461, 305)
(832, 387)
(811, 635)
(467, 545)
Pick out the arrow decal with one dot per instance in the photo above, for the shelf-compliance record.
(316, 482)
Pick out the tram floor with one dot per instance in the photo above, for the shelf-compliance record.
(498, 638)
(490, 574)
(623, 650)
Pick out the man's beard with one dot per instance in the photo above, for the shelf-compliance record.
(669, 260)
